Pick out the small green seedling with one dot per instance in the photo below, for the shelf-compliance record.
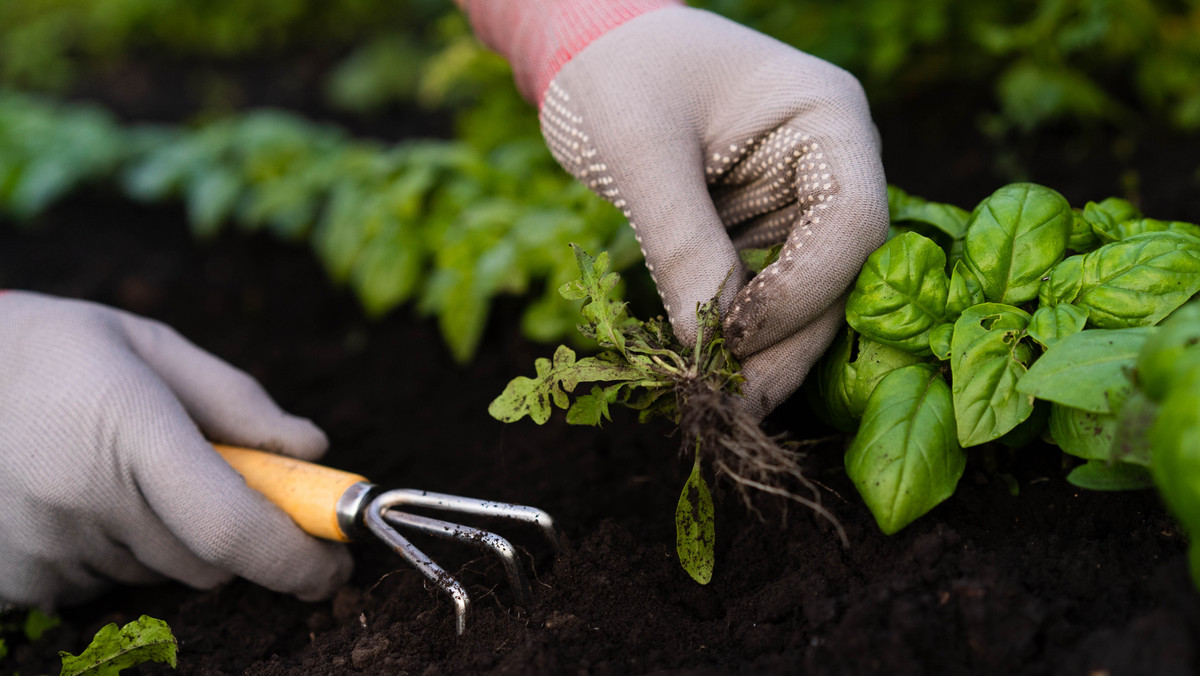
(644, 367)
(31, 623)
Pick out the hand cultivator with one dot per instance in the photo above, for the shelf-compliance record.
(342, 506)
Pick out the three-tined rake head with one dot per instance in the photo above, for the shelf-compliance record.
(383, 514)
(341, 506)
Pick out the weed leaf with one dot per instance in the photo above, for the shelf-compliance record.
(695, 527)
(146, 639)
(555, 379)
(595, 284)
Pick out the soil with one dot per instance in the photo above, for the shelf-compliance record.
(1017, 573)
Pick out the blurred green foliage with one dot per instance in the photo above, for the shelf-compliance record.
(449, 224)
(49, 44)
(1046, 60)
(441, 223)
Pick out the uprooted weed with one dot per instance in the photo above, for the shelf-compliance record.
(644, 366)
(739, 450)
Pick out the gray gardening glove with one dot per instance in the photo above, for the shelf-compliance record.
(105, 472)
(711, 137)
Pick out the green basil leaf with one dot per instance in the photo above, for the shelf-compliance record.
(954, 253)
(1139, 226)
(1088, 370)
(1171, 351)
(1105, 216)
(695, 527)
(900, 293)
(1096, 475)
(905, 459)
(875, 360)
(834, 381)
(1063, 283)
(987, 359)
(1051, 324)
(1175, 438)
(939, 340)
(853, 371)
(947, 218)
(965, 290)
(1132, 433)
(1140, 280)
(1111, 210)
(1083, 434)
(1013, 239)
(1082, 239)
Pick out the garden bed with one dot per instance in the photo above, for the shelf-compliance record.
(1052, 580)
(1018, 573)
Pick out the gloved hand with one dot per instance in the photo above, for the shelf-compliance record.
(105, 471)
(710, 137)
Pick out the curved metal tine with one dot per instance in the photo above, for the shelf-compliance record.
(410, 497)
(430, 569)
(482, 539)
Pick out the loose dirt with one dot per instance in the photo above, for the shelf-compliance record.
(1018, 573)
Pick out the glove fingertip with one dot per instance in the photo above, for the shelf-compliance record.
(210, 579)
(330, 571)
(296, 437)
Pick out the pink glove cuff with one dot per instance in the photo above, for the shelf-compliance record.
(539, 36)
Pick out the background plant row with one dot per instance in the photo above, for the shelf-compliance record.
(1084, 59)
(451, 224)
(440, 223)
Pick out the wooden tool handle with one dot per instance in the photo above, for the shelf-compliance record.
(308, 492)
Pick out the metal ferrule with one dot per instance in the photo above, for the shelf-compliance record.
(352, 506)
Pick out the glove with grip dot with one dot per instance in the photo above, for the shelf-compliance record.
(106, 470)
(711, 137)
